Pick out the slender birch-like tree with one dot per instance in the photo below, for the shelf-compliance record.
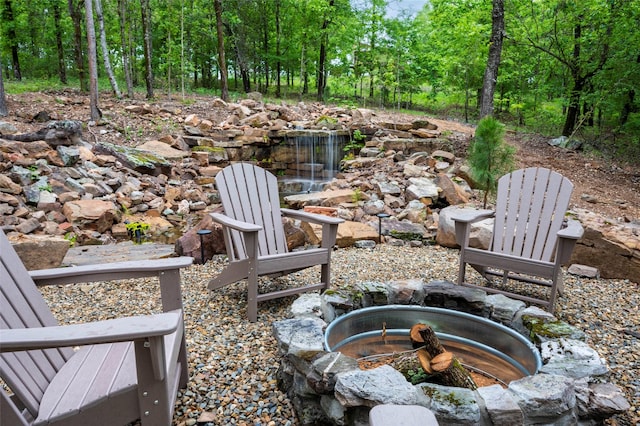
(93, 62)
(145, 10)
(105, 49)
(124, 45)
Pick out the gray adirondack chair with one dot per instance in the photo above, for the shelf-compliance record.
(255, 239)
(102, 373)
(531, 236)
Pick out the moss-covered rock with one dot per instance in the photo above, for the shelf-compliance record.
(136, 159)
(541, 330)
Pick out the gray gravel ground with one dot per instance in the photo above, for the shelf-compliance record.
(233, 363)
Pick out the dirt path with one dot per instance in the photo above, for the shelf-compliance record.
(600, 185)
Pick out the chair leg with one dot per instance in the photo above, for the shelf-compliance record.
(251, 244)
(461, 270)
(557, 287)
(325, 275)
(155, 406)
(171, 293)
(252, 292)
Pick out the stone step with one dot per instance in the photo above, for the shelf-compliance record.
(90, 255)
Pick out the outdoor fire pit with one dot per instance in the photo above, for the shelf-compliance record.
(543, 371)
(485, 347)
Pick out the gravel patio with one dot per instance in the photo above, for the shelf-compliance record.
(233, 363)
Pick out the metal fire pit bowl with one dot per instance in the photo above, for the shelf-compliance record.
(486, 346)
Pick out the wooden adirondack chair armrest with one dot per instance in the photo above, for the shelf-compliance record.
(573, 230)
(234, 224)
(108, 271)
(462, 221)
(109, 331)
(312, 217)
(567, 239)
(470, 216)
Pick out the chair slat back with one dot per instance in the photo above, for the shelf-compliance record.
(250, 194)
(27, 373)
(530, 208)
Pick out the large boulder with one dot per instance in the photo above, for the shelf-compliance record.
(480, 236)
(610, 246)
(348, 233)
(189, 244)
(452, 193)
(39, 251)
(141, 161)
(424, 189)
(98, 215)
(325, 198)
(164, 150)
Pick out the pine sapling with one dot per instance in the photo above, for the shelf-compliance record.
(490, 156)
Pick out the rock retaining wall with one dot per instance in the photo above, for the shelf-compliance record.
(329, 388)
(91, 193)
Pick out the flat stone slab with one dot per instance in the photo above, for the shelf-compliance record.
(90, 255)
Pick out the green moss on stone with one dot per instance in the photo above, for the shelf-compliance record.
(548, 329)
(136, 156)
(203, 148)
(437, 395)
(406, 236)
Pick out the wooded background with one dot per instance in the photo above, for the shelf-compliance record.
(565, 66)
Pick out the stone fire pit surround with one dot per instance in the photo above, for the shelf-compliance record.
(329, 388)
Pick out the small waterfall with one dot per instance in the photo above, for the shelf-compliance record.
(318, 154)
(330, 156)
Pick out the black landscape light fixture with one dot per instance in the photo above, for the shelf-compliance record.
(380, 217)
(201, 233)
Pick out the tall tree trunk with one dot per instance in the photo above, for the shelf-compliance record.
(105, 49)
(466, 95)
(76, 18)
(573, 109)
(356, 77)
(222, 61)
(627, 107)
(324, 39)
(239, 44)
(321, 61)
(278, 61)
(303, 70)
(145, 10)
(629, 102)
(246, 78)
(235, 78)
(93, 62)
(3, 100)
(7, 16)
(62, 69)
(33, 33)
(126, 58)
(169, 45)
(373, 62)
(578, 84)
(265, 43)
(182, 88)
(493, 62)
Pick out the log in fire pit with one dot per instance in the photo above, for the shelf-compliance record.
(483, 346)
